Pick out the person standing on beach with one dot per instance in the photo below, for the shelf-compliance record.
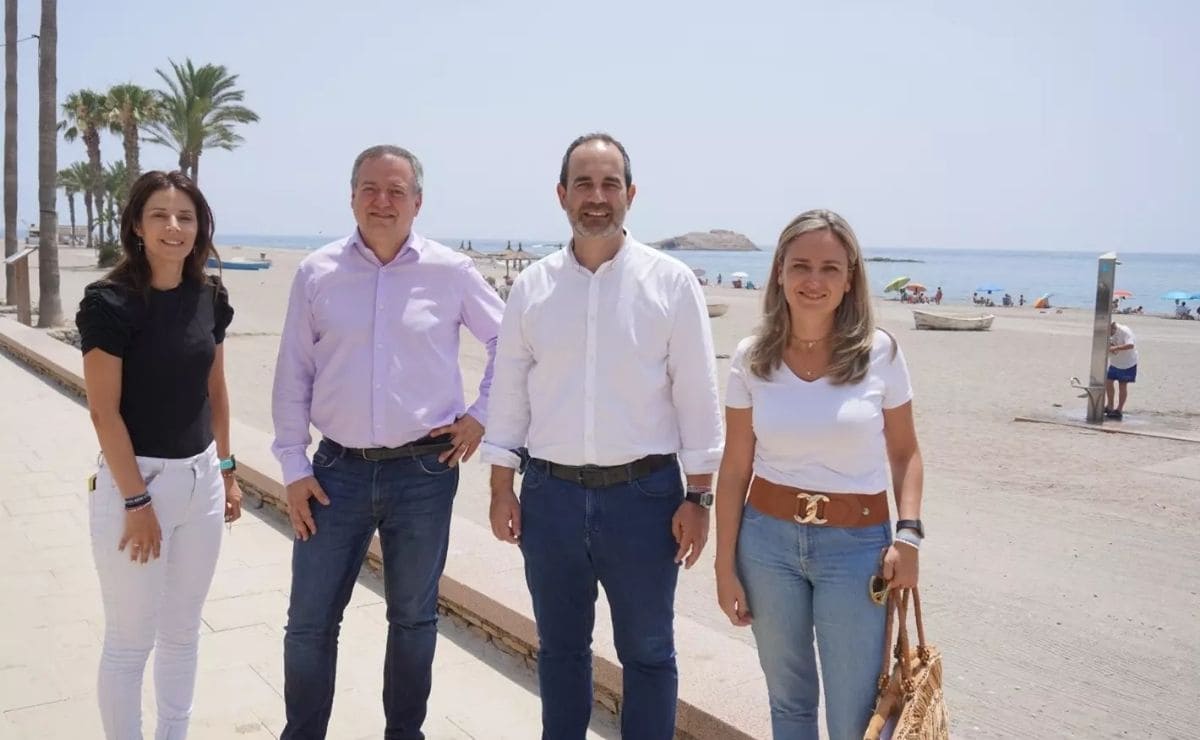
(937, 297)
(608, 421)
(1122, 369)
(369, 356)
(152, 334)
(818, 409)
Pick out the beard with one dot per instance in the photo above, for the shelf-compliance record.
(611, 226)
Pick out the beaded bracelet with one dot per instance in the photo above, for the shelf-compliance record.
(140, 501)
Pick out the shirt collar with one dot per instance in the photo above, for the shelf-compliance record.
(410, 250)
(618, 259)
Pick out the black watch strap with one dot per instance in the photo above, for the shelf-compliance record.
(700, 499)
(913, 524)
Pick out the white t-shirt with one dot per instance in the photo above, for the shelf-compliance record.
(817, 435)
(1126, 358)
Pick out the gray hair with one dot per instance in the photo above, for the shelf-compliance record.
(386, 150)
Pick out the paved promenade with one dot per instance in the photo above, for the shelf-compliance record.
(51, 622)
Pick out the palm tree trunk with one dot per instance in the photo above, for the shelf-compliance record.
(132, 167)
(91, 140)
(71, 207)
(112, 216)
(87, 204)
(49, 298)
(196, 168)
(10, 144)
(183, 162)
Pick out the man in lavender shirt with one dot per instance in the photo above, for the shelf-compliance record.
(369, 356)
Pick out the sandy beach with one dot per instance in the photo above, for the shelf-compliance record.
(1059, 573)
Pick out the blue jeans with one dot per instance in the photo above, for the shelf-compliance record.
(799, 579)
(409, 501)
(620, 537)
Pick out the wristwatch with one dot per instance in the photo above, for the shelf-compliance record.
(913, 524)
(700, 498)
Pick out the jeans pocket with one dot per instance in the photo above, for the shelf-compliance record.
(324, 458)
(661, 483)
(534, 477)
(430, 464)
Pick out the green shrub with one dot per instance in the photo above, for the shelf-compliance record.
(108, 254)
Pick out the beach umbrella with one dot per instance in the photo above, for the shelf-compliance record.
(989, 288)
(1122, 294)
(739, 276)
(698, 271)
(915, 287)
(1178, 295)
(1043, 302)
(896, 284)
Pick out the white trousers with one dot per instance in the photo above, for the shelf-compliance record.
(156, 605)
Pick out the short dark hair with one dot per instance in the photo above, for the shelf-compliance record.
(597, 136)
(134, 268)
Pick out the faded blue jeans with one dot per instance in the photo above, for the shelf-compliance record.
(574, 538)
(801, 579)
(409, 501)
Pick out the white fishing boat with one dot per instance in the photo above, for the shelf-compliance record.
(717, 309)
(945, 322)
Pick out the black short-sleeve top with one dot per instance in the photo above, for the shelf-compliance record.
(166, 340)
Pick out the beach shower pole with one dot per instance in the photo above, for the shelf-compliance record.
(1105, 282)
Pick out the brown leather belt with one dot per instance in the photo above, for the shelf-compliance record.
(818, 507)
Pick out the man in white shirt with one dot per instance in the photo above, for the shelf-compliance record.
(1122, 369)
(605, 373)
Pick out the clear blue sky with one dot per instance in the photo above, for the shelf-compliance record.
(1020, 124)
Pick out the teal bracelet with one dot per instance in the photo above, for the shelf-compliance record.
(229, 463)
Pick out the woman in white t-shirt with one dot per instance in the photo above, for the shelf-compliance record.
(818, 408)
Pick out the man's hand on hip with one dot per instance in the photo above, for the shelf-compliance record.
(465, 434)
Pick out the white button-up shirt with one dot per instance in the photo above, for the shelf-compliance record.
(604, 368)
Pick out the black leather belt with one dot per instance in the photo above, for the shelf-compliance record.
(424, 446)
(597, 476)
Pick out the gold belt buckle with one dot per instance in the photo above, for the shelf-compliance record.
(811, 502)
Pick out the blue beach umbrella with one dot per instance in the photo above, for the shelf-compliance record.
(989, 288)
(1194, 297)
(1179, 295)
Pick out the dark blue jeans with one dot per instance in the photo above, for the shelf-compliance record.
(620, 537)
(409, 502)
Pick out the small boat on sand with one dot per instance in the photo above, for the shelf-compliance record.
(238, 263)
(942, 322)
(717, 309)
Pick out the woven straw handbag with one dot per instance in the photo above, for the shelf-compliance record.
(910, 704)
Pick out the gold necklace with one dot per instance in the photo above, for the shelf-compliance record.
(808, 344)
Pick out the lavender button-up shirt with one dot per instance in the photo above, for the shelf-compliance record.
(369, 352)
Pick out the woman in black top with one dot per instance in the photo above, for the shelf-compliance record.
(152, 336)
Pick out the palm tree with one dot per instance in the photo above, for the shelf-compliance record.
(199, 110)
(49, 297)
(86, 114)
(78, 177)
(10, 145)
(68, 184)
(116, 186)
(129, 108)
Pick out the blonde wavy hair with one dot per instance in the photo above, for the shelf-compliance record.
(853, 323)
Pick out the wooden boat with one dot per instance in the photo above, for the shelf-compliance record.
(925, 320)
(238, 263)
(717, 309)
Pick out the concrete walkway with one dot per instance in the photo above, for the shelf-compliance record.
(51, 621)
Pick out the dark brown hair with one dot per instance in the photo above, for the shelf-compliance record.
(133, 271)
(599, 136)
